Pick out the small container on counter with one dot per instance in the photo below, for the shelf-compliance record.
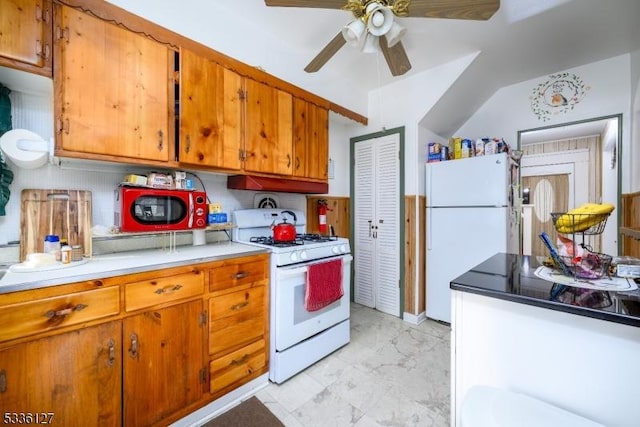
(65, 254)
(76, 253)
(52, 245)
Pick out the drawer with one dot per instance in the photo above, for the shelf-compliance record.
(237, 272)
(28, 318)
(236, 318)
(239, 365)
(160, 290)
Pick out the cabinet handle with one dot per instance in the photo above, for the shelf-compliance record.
(160, 140)
(242, 360)
(111, 344)
(240, 275)
(187, 146)
(133, 350)
(168, 289)
(236, 307)
(3, 381)
(288, 160)
(297, 163)
(64, 312)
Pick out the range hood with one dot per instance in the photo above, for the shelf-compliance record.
(261, 183)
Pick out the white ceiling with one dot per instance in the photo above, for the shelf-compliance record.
(523, 40)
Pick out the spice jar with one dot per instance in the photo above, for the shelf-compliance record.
(65, 254)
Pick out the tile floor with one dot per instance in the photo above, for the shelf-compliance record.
(391, 374)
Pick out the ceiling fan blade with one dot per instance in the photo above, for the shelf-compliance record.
(396, 57)
(325, 54)
(479, 10)
(320, 4)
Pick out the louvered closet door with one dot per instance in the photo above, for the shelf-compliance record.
(377, 224)
(364, 263)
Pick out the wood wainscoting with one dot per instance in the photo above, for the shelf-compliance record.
(630, 227)
(414, 248)
(338, 214)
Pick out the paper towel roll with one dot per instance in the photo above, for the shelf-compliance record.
(199, 237)
(27, 159)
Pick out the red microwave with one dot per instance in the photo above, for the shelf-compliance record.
(149, 209)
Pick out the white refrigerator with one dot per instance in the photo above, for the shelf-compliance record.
(469, 218)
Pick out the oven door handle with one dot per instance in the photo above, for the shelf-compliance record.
(292, 271)
(302, 268)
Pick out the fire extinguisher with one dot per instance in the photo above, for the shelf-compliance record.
(322, 215)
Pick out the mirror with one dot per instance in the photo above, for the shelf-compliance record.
(564, 166)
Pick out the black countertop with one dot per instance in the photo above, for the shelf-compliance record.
(511, 277)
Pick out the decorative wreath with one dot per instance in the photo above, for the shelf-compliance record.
(559, 94)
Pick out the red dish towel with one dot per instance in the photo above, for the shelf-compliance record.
(324, 284)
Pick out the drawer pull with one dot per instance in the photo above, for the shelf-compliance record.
(240, 305)
(168, 289)
(111, 344)
(241, 361)
(241, 275)
(64, 312)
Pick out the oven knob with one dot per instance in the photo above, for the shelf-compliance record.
(303, 255)
(343, 248)
(294, 256)
(335, 250)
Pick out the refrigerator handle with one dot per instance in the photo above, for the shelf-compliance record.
(429, 216)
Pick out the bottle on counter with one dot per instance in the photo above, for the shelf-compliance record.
(52, 245)
(65, 254)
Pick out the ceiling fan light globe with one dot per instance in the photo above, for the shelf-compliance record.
(379, 20)
(370, 44)
(353, 32)
(395, 34)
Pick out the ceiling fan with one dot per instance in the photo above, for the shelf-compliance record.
(374, 26)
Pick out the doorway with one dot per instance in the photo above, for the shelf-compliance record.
(586, 152)
(377, 188)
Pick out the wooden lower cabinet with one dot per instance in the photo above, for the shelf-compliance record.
(238, 322)
(144, 349)
(71, 379)
(163, 362)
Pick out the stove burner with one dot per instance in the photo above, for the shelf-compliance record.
(316, 237)
(270, 241)
(299, 240)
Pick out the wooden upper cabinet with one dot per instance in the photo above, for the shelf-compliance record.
(114, 90)
(210, 113)
(268, 142)
(310, 140)
(25, 35)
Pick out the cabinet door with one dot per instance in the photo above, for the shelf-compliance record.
(25, 33)
(75, 378)
(210, 113)
(113, 89)
(311, 140)
(163, 362)
(269, 136)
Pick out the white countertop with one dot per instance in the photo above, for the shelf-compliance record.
(123, 263)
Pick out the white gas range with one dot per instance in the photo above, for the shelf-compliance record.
(299, 337)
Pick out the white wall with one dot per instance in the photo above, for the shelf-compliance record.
(509, 110)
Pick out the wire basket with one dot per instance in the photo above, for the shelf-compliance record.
(586, 224)
(592, 265)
